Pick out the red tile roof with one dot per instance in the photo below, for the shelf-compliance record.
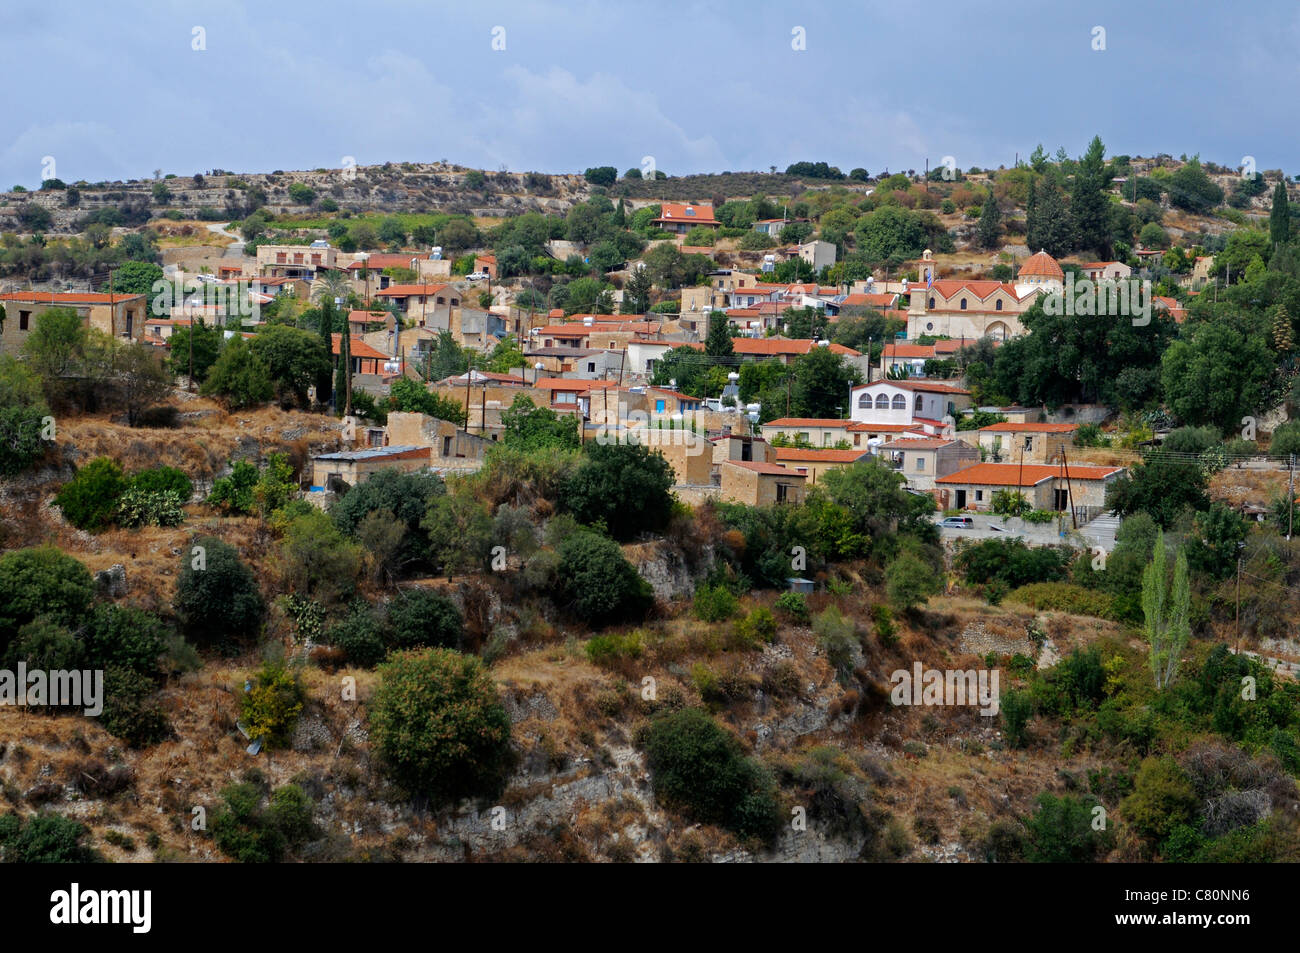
(403, 291)
(1014, 474)
(869, 300)
(773, 346)
(1041, 265)
(924, 386)
(358, 347)
(67, 297)
(814, 455)
(825, 422)
(381, 260)
(696, 214)
(1009, 427)
(918, 443)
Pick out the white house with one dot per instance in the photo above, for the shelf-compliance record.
(907, 403)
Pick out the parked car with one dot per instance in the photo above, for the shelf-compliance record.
(477, 276)
(957, 522)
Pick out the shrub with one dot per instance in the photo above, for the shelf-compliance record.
(42, 582)
(1162, 799)
(698, 767)
(836, 636)
(126, 637)
(47, 838)
(608, 650)
(234, 493)
(714, 604)
(216, 593)
(793, 604)
(89, 500)
(318, 562)
(1060, 832)
(271, 706)
(127, 712)
(1065, 597)
(1016, 709)
(1012, 562)
(149, 508)
(624, 486)
(43, 644)
(248, 832)
(419, 618)
(360, 634)
(439, 727)
(757, 627)
(909, 581)
(598, 584)
(164, 479)
(883, 621)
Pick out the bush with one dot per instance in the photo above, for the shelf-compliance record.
(439, 727)
(216, 594)
(234, 493)
(318, 562)
(793, 604)
(418, 618)
(240, 378)
(47, 838)
(43, 644)
(1016, 709)
(1162, 799)
(270, 708)
(699, 768)
(149, 508)
(597, 584)
(608, 650)
(714, 604)
(125, 637)
(757, 627)
(252, 834)
(1060, 832)
(1065, 597)
(127, 712)
(42, 582)
(1012, 562)
(164, 480)
(883, 621)
(90, 499)
(360, 635)
(836, 636)
(909, 581)
(623, 486)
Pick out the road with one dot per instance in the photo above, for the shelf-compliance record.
(1100, 532)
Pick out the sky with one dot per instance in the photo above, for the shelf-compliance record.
(115, 91)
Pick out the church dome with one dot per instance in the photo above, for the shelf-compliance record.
(1041, 265)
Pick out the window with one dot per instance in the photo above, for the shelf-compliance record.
(441, 300)
(931, 305)
(1029, 442)
(882, 402)
(864, 401)
(929, 325)
(782, 492)
(24, 320)
(659, 406)
(916, 408)
(900, 402)
(281, 258)
(997, 306)
(857, 440)
(591, 367)
(963, 304)
(920, 463)
(979, 495)
(612, 345)
(446, 446)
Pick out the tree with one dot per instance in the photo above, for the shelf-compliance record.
(403, 498)
(22, 417)
(698, 767)
(216, 594)
(1279, 216)
(636, 291)
(1053, 227)
(596, 582)
(54, 344)
(1215, 541)
(439, 726)
(988, 231)
(317, 561)
(142, 379)
(43, 581)
(301, 193)
(1089, 207)
(909, 582)
(460, 533)
(821, 384)
(200, 343)
(601, 175)
(411, 397)
(137, 278)
(623, 486)
(1160, 487)
(529, 428)
(294, 359)
(1191, 190)
(1165, 611)
(239, 377)
(418, 618)
(718, 341)
(1216, 374)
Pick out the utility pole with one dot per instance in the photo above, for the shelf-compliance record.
(1238, 604)
(1290, 495)
(1069, 491)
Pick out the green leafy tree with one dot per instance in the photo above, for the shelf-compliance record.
(217, 596)
(718, 341)
(317, 561)
(240, 378)
(460, 533)
(294, 358)
(527, 427)
(598, 584)
(909, 581)
(821, 384)
(42, 581)
(439, 727)
(412, 397)
(404, 499)
(1166, 613)
(1191, 190)
(1060, 832)
(988, 232)
(1089, 206)
(1216, 374)
(199, 343)
(1279, 216)
(22, 417)
(624, 487)
(1162, 800)
(1159, 486)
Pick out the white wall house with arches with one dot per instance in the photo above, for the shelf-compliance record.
(918, 404)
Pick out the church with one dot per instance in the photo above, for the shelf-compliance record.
(948, 307)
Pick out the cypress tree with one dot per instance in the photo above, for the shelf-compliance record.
(325, 381)
(1279, 217)
(990, 223)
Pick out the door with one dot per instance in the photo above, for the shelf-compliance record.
(961, 499)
